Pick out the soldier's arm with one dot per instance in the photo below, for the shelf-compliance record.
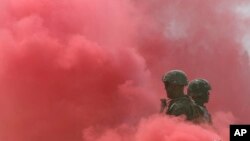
(163, 105)
(210, 119)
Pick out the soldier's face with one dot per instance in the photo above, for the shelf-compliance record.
(170, 90)
(206, 97)
(202, 99)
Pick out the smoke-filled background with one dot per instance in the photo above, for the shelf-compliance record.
(90, 70)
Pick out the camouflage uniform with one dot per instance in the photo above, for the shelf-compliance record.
(206, 116)
(181, 104)
(184, 106)
(198, 89)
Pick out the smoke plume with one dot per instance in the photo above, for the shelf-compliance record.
(84, 70)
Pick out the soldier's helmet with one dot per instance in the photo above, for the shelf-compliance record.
(198, 85)
(176, 77)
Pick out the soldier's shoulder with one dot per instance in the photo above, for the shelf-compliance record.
(183, 100)
(176, 109)
(179, 106)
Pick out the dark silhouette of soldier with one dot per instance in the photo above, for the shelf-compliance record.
(180, 104)
(199, 89)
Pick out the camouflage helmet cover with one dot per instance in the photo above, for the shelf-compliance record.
(177, 77)
(199, 85)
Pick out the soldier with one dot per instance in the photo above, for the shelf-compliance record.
(199, 89)
(180, 104)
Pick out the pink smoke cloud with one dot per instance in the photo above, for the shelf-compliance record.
(69, 68)
(157, 127)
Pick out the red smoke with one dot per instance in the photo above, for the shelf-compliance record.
(91, 70)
